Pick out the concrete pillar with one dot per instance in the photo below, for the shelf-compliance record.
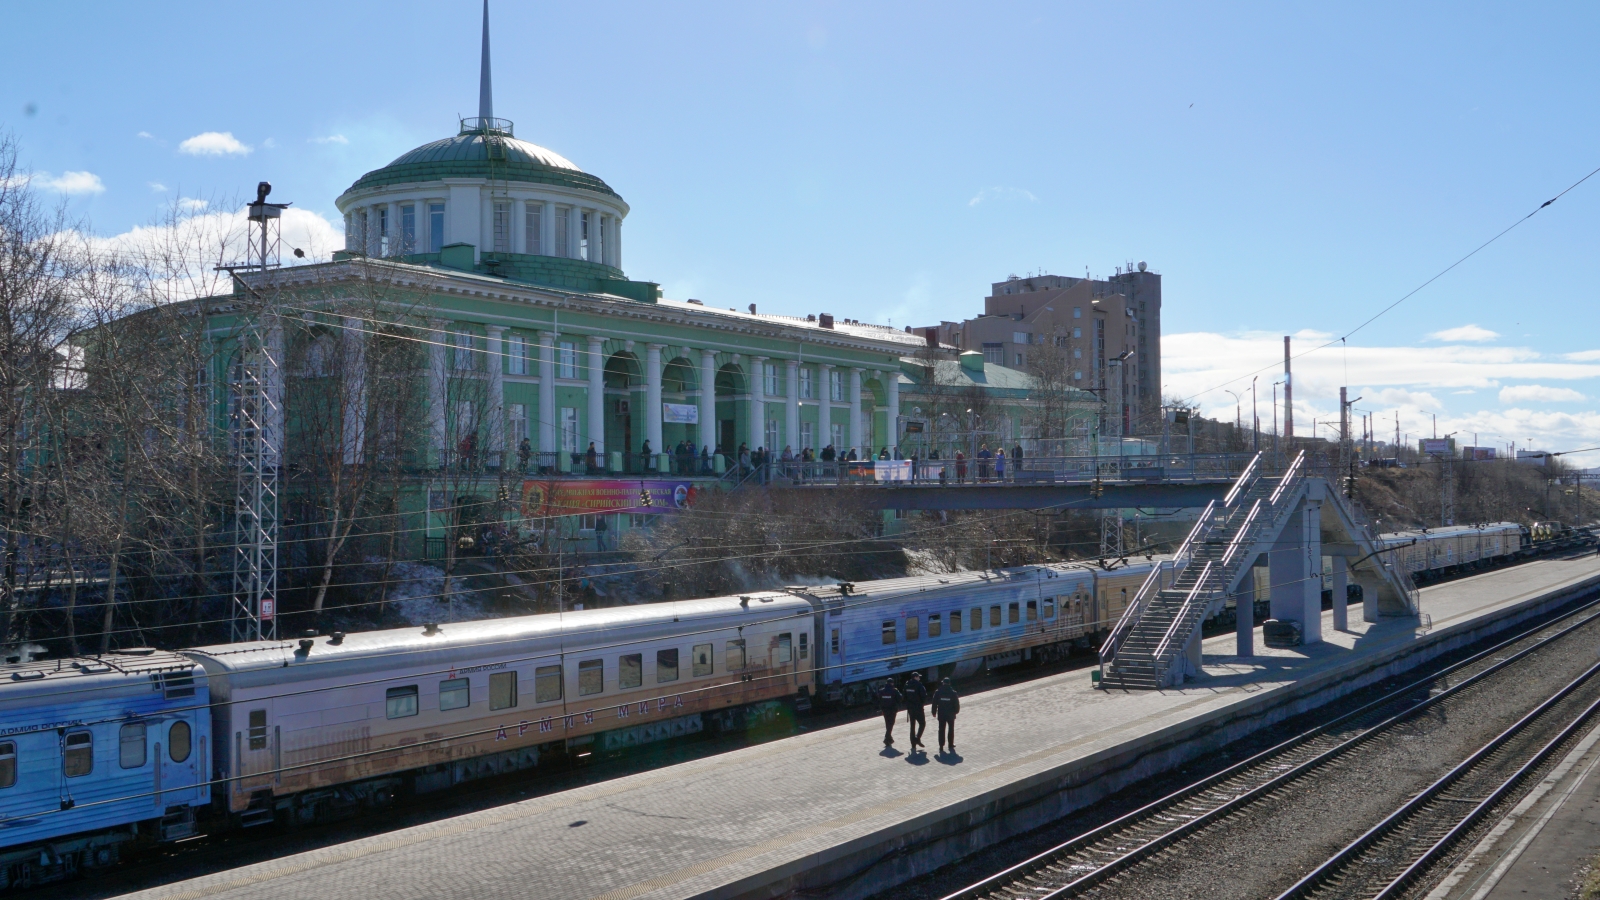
(891, 387)
(758, 406)
(855, 410)
(1244, 603)
(707, 430)
(791, 407)
(438, 384)
(353, 416)
(1341, 583)
(547, 396)
(652, 397)
(824, 406)
(1311, 544)
(596, 361)
(1296, 566)
(495, 414)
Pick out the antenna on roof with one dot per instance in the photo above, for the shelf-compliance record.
(485, 90)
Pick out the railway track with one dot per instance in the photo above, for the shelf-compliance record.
(1079, 865)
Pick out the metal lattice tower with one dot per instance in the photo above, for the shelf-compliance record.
(257, 426)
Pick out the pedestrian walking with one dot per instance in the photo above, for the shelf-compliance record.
(600, 530)
(889, 700)
(945, 706)
(916, 695)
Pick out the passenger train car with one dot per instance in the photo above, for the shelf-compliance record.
(297, 731)
(96, 753)
(1432, 553)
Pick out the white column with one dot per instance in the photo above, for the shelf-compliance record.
(1341, 597)
(616, 242)
(547, 229)
(353, 425)
(495, 415)
(438, 383)
(891, 387)
(708, 400)
(597, 395)
(825, 406)
(791, 421)
(652, 397)
(547, 395)
(855, 411)
(758, 407)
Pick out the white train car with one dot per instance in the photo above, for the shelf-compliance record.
(322, 726)
(1430, 553)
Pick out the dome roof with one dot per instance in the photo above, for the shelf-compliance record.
(467, 155)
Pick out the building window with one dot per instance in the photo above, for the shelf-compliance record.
(516, 355)
(567, 360)
(569, 429)
(769, 379)
(806, 435)
(835, 385)
(1077, 376)
(532, 223)
(1077, 353)
(805, 384)
(583, 235)
(131, 747)
(502, 227)
(772, 434)
(518, 415)
(1020, 358)
(1021, 337)
(1077, 332)
(994, 354)
(408, 228)
(463, 350)
(562, 237)
(502, 690)
(435, 227)
(398, 703)
(382, 231)
(455, 693)
(79, 758)
(1077, 312)
(836, 436)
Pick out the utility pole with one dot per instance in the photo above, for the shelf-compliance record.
(1288, 395)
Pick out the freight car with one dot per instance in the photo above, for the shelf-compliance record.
(1432, 553)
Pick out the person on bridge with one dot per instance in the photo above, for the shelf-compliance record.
(889, 700)
(961, 467)
(916, 703)
(1000, 464)
(945, 706)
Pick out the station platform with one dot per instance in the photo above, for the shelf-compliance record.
(832, 813)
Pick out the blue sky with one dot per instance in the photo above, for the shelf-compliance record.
(1290, 169)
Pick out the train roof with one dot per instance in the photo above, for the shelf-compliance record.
(1445, 530)
(889, 588)
(68, 673)
(448, 641)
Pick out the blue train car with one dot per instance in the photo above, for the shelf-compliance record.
(95, 753)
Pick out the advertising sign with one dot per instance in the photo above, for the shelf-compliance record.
(575, 497)
(680, 413)
(269, 608)
(1436, 446)
(892, 469)
(1477, 453)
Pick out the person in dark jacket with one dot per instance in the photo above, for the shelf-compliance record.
(916, 695)
(945, 706)
(889, 700)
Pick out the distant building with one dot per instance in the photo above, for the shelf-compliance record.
(1092, 321)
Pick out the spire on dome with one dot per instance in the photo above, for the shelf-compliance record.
(485, 91)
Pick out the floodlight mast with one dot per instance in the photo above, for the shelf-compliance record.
(257, 423)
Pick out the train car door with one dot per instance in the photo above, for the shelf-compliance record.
(255, 745)
(177, 751)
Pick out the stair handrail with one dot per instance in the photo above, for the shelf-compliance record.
(1130, 615)
(1239, 536)
(1183, 613)
(1290, 477)
(1201, 527)
(1245, 478)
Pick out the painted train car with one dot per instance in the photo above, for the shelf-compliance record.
(1432, 553)
(96, 753)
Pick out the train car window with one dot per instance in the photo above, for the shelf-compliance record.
(913, 627)
(1033, 610)
(630, 670)
(935, 625)
(666, 666)
(398, 703)
(733, 655)
(888, 632)
(546, 684)
(1050, 608)
(805, 649)
(975, 618)
(591, 677)
(455, 693)
(701, 658)
(833, 642)
(502, 690)
(1016, 614)
(258, 722)
(79, 756)
(955, 621)
(180, 740)
(994, 616)
(132, 750)
(785, 649)
(8, 763)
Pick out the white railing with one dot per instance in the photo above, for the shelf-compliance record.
(1243, 482)
(1181, 617)
(1130, 616)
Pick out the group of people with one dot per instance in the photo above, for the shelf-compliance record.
(914, 698)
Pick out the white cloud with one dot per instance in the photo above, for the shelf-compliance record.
(1538, 393)
(1584, 356)
(214, 143)
(145, 134)
(996, 193)
(330, 139)
(269, 143)
(192, 204)
(156, 186)
(1464, 333)
(70, 182)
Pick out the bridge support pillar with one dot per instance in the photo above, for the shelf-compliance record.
(1341, 595)
(1296, 566)
(1244, 604)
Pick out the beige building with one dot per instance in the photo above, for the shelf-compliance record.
(1091, 322)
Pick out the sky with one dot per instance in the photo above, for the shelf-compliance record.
(1289, 169)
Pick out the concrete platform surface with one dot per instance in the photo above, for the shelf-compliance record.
(741, 823)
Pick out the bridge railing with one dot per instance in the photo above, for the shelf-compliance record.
(1035, 470)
